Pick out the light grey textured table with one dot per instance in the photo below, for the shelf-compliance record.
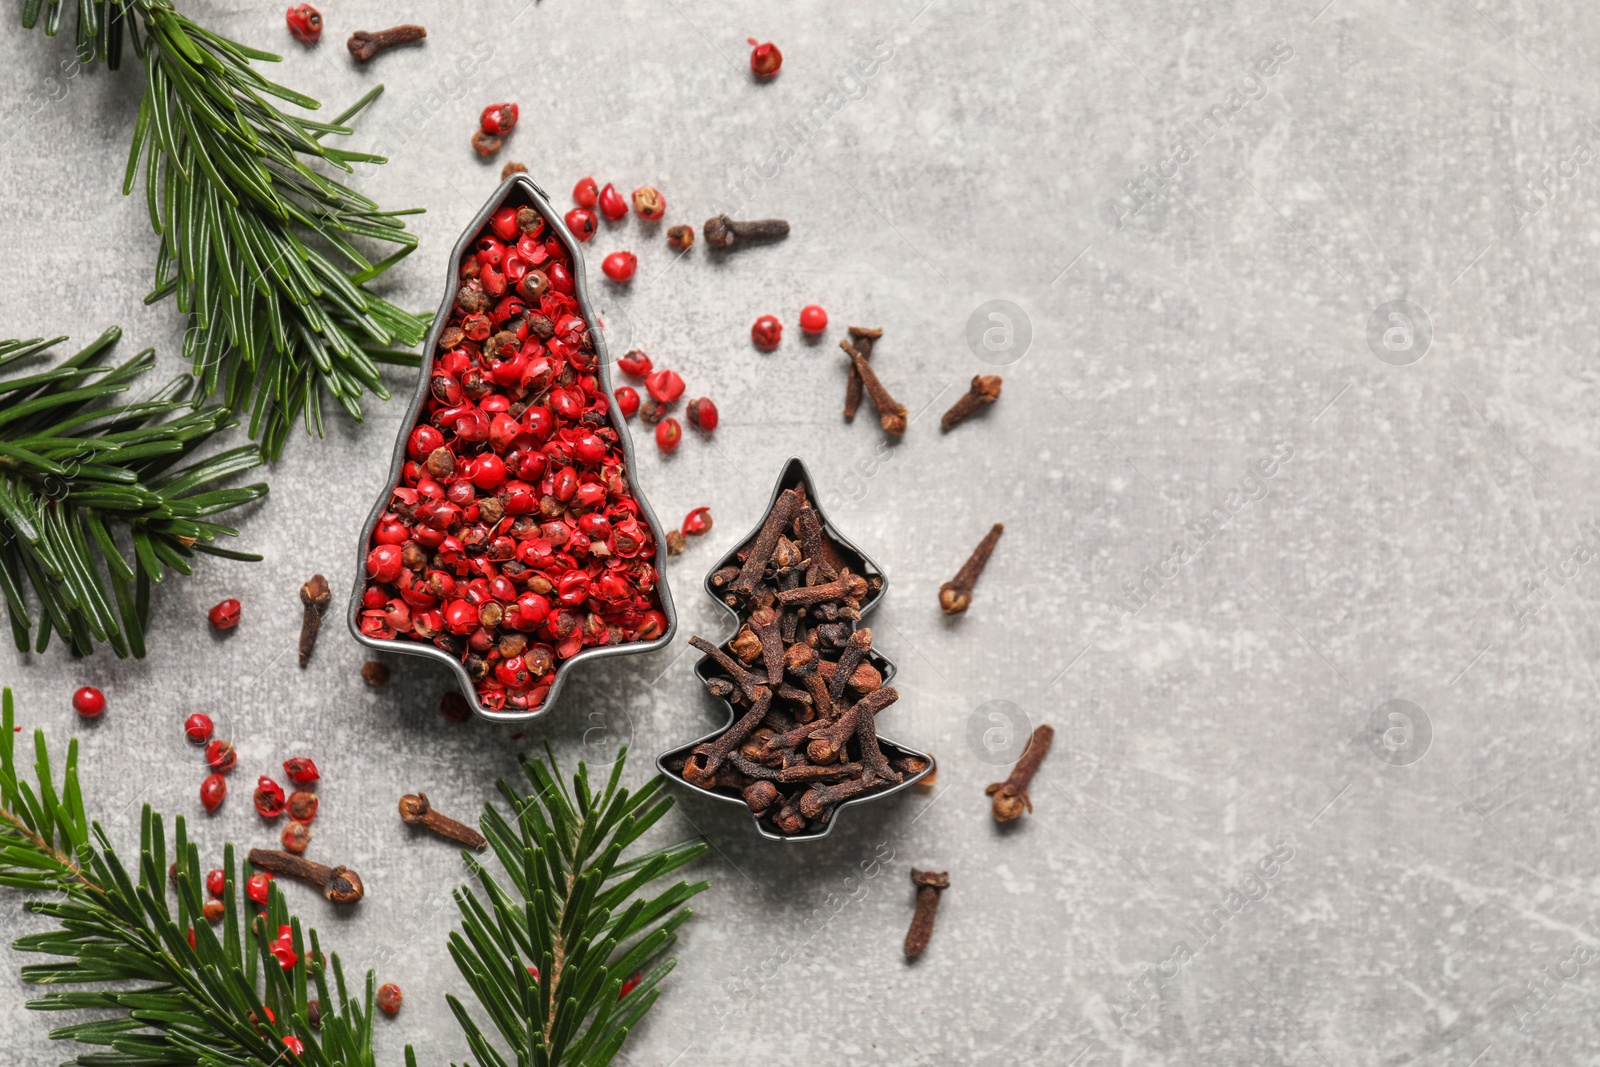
(1431, 873)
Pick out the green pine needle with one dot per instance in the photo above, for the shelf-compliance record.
(575, 910)
(257, 247)
(94, 505)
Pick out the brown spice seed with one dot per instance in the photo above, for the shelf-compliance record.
(375, 674)
(511, 168)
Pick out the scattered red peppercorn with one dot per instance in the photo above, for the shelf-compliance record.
(697, 522)
(256, 889)
(766, 333)
(668, 433)
(282, 947)
(680, 238)
(648, 203)
(586, 193)
(619, 266)
(198, 728)
(627, 400)
(389, 998)
(628, 986)
(305, 23)
(765, 59)
(293, 1044)
(221, 756)
(612, 206)
(486, 144)
(499, 119)
(813, 319)
(665, 386)
(213, 791)
(269, 798)
(302, 806)
(300, 770)
(635, 364)
(581, 222)
(296, 837)
(454, 707)
(214, 910)
(702, 413)
(225, 616)
(89, 702)
(216, 881)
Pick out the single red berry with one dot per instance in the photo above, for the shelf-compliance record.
(216, 882)
(302, 806)
(697, 522)
(648, 203)
(668, 434)
(389, 998)
(627, 987)
(581, 222)
(213, 791)
(619, 266)
(627, 400)
(635, 363)
(269, 798)
(504, 224)
(454, 707)
(89, 702)
(305, 23)
(498, 119)
(424, 439)
(612, 206)
(766, 333)
(225, 616)
(293, 1044)
(703, 413)
(385, 562)
(221, 756)
(282, 947)
(256, 890)
(214, 910)
(300, 770)
(665, 386)
(534, 971)
(586, 193)
(198, 728)
(765, 59)
(191, 939)
(813, 319)
(296, 837)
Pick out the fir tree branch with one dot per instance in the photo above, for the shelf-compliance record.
(77, 475)
(256, 245)
(575, 912)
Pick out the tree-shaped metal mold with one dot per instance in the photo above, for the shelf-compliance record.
(511, 544)
(799, 677)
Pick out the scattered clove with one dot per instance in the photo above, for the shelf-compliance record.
(985, 390)
(955, 596)
(929, 885)
(863, 339)
(1011, 795)
(724, 234)
(416, 811)
(891, 413)
(340, 885)
(364, 46)
(316, 596)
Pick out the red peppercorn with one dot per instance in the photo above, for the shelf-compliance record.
(765, 59)
(89, 702)
(619, 266)
(300, 770)
(648, 203)
(389, 998)
(498, 119)
(198, 728)
(504, 224)
(296, 837)
(635, 364)
(586, 193)
(213, 791)
(703, 413)
(668, 433)
(813, 319)
(384, 563)
(612, 206)
(225, 616)
(302, 806)
(221, 756)
(305, 23)
(581, 222)
(767, 332)
(269, 799)
(628, 986)
(665, 386)
(256, 889)
(294, 1044)
(627, 400)
(697, 522)
(214, 910)
(216, 882)
(454, 706)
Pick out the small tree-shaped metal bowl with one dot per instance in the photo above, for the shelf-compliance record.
(795, 474)
(518, 190)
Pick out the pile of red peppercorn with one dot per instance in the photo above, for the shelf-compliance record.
(513, 540)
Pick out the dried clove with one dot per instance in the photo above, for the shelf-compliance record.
(724, 234)
(316, 596)
(363, 45)
(863, 339)
(929, 885)
(891, 413)
(1011, 795)
(985, 390)
(416, 811)
(955, 596)
(340, 885)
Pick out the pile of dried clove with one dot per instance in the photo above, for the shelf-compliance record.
(801, 676)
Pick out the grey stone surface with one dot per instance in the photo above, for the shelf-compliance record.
(1236, 855)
